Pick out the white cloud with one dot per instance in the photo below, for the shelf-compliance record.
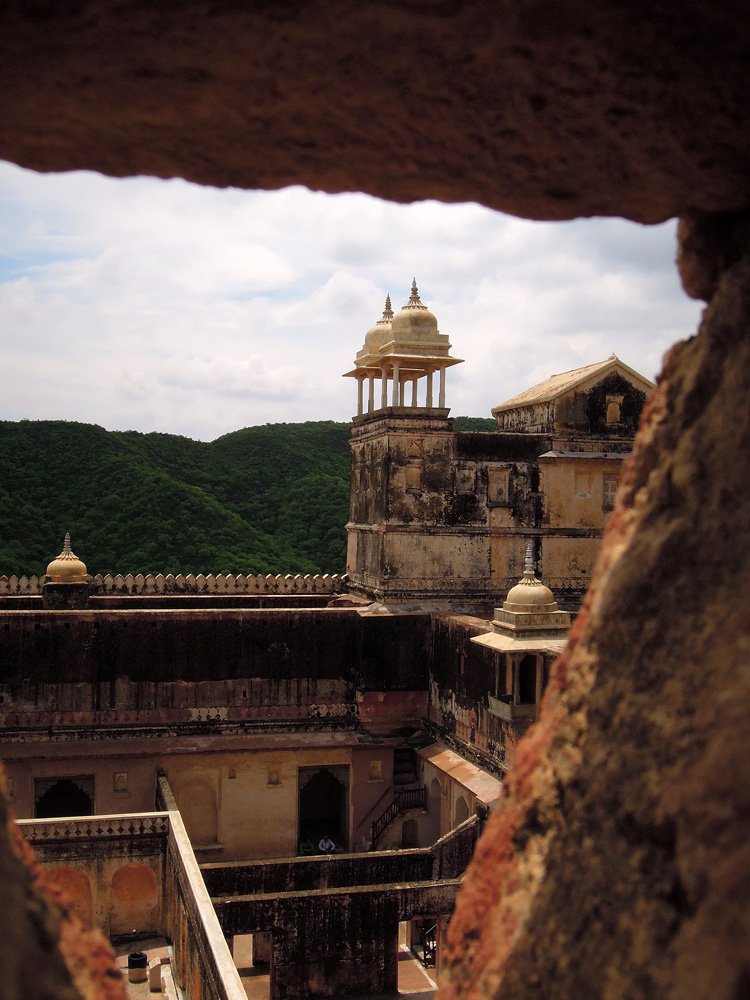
(158, 305)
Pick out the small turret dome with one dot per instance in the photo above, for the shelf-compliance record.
(530, 595)
(380, 333)
(414, 320)
(67, 567)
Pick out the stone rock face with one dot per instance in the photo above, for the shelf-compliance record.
(618, 863)
(543, 109)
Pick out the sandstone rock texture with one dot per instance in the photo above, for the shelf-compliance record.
(542, 108)
(45, 952)
(618, 864)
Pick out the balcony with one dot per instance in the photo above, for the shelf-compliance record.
(504, 708)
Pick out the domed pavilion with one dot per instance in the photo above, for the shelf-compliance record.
(400, 350)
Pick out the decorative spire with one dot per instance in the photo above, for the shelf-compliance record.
(67, 567)
(529, 576)
(414, 300)
(387, 312)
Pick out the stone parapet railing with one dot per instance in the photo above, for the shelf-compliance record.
(45, 831)
(227, 584)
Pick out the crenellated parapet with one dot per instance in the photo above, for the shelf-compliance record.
(160, 583)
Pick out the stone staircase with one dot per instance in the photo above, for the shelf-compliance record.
(407, 794)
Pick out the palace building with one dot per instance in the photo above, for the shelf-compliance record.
(176, 748)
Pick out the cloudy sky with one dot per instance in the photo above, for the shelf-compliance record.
(157, 305)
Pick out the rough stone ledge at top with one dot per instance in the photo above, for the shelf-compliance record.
(546, 110)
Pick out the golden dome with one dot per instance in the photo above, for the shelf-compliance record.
(414, 320)
(67, 568)
(530, 595)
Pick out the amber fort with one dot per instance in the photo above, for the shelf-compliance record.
(539, 811)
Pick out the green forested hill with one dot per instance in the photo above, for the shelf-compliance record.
(270, 499)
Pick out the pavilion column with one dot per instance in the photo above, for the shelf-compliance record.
(429, 389)
(371, 394)
(384, 388)
(396, 385)
(441, 402)
(414, 392)
(360, 387)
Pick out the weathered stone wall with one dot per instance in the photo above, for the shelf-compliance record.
(335, 871)
(40, 651)
(461, 675)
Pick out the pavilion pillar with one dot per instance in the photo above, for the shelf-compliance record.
(371, 394)
(396, 385)
(441, 402)
(384, 388)
(429, 389)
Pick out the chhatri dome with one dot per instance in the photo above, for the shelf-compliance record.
(530, 594)
(379, 334)
(414, 321)
(67, 568)
(400, 351)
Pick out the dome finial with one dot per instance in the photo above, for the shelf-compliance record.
(388, 311)
(66, 543)
(528, 569)
(414, 300)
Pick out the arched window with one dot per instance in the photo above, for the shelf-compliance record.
(64, 797)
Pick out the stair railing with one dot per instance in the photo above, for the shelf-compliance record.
(410, 798)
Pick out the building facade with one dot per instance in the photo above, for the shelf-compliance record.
(437, 515)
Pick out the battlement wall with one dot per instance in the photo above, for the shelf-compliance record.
(159, 583)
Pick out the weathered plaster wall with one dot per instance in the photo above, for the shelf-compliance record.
(461, 675)
(153, 647)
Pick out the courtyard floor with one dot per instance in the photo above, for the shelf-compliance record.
(413, 979)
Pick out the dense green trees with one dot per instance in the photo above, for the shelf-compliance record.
(270, 499)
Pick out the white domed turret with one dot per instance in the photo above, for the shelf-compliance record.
(380, 333)
(530, 594)
(530, 608)
(414, 321)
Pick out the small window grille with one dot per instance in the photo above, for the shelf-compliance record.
(609, 489)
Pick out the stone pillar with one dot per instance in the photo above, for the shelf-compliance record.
(384, 388)
(441, 400)
(414, 392)
(396, 385)
(360, 386)
(371, 395)
(429, 390)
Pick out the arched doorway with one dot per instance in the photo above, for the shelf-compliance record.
(461, 813)
(527, 680)
(64, 797)
(324, 805)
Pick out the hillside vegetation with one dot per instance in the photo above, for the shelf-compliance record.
(269, 499)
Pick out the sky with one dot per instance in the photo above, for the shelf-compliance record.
(152, 305)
